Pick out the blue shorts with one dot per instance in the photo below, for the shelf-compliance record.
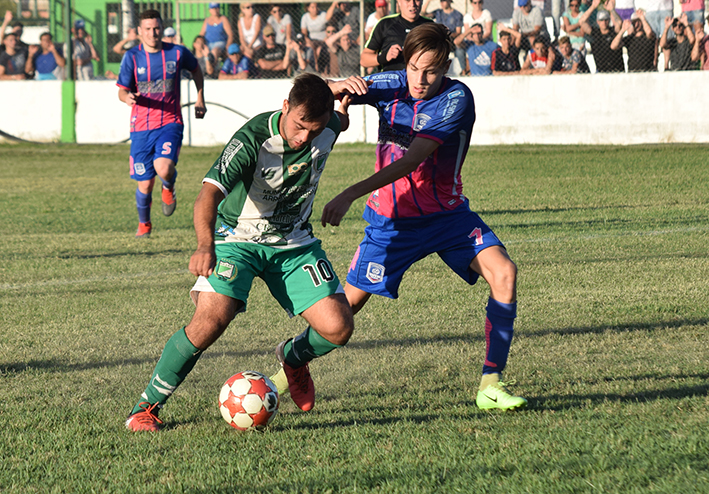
(148, 145)
(386, 254)
(216, 44)
(695, 16)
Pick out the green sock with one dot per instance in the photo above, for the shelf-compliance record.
(177, 360)
(307, 346)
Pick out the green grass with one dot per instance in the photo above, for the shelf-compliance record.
(611, 344)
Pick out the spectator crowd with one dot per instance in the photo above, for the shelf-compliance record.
(266, 41)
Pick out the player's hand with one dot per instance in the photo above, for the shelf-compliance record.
(33, 49)
(199, 110)
(203, 261)
(335, 210)
(132, 99)
(345, 104)
(352, 85)
(393, 52)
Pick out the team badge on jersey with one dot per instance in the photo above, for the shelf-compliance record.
(420, 122)
(171, 67)
(375, 272)
(225, 270)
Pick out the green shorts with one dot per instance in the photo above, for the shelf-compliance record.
(297, 278)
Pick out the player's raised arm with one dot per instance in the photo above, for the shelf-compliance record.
(420, 149)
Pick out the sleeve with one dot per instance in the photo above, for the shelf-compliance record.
(236, 163)
(385, 87)
(189, 61)
(287, 20)
(227, 66)
(375, 39)
(126, 80)
(458, 19)
(303, 21)
(455, 111)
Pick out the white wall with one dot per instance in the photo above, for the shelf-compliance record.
(557, 109)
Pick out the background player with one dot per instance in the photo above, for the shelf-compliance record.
(149, 82)
(260, 194)
(417, 206)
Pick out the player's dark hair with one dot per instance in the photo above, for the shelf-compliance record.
(430, 37)
(312, 93)
(149, 14)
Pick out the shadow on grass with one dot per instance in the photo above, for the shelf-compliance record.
(132, 254)
(619, 328)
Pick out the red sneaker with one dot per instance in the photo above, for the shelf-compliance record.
(144, 230)
(169, 201)
(146, 419)
(300, 384)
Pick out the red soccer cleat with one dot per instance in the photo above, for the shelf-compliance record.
(146, 419)
(144, 230)
(300, 384)
(169, 201)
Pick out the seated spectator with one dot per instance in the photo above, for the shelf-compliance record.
(313, 23)
(127, 43)
(347, 14)
(281, 23)
(505, 59)
(217, 30)
(250, 37)
(678, 50)
(601, 36)
(235, 66)
(205, 57)
(83, 52)
(700, 51)
(272, 59)
(346, 53)
(12, 60)
(572, 60)
(640, 43)
(381, 9)
(572, 27)
(541, 59)
(479, 50)
(478, 15)
(302, 57)
(529, 21)
(46, 60)
(168, 35)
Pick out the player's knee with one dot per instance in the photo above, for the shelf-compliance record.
(505, 279)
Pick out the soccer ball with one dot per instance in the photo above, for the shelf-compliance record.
(248, 401)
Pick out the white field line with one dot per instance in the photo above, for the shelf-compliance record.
(101, 279)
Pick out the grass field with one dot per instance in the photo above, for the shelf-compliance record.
(611, 345)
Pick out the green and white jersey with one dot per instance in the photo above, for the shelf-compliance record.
(269, 188)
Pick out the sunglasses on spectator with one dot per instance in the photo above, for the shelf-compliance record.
(246, 6)
(573, 5)
(330, 31)
(269, 35)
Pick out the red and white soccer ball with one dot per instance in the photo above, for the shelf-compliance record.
(248, 401)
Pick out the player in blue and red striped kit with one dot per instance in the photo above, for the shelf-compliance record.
(417, 206)
(149, 82)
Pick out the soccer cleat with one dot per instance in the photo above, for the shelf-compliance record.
(300, 384)
(146, 419)
(280, 380)
(144, 230)
(498, 396)
(169, 200)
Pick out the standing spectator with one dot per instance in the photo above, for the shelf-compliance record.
(149, 83)
(640, 43)
(272, 59)
(250, 37)
(217, 30)
(678, 50)
(384, 48)
(381, 9)
(446, 15)
(127, 43)
(541, 59)
(302, 58)
(348, 14)
(601, 36)
(16, 28)
(572, 26)
(479, 50)
(505, 60)
(625, 9)
(695, 14)
(572, 60)
(235, 66)
(83, 52)
(12, 61)
(478, 15)
(313, 23)
(655, 12)
(529, 21)
(558, 7)
(281, 23)
(205, 58)
(342, 46)
(700, 52)
(46, 60)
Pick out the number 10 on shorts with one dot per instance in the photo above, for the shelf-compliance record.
(321, 272)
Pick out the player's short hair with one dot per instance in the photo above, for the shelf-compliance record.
(430, 37)
(312, 93)
(149, 14)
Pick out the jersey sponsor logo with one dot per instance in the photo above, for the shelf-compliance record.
(139, 168)
(375, 272)
(388, 134)
(450, 108)
(268, 174)
(420, 121)
(171, 67)
(152, 87)
(225, 270)
(141, 70)
(228, 154)
(296, 168)
(456, 94)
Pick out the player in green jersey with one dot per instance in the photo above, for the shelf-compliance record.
(251, 219)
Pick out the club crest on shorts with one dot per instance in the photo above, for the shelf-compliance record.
(375, 272)
(225, 270)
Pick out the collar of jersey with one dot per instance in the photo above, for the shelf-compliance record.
(273, 121)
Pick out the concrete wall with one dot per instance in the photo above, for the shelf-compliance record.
(577, 109)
